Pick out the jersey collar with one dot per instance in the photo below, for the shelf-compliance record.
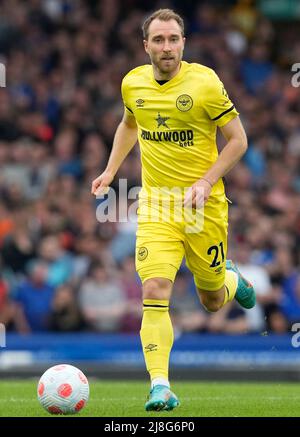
(171, 81)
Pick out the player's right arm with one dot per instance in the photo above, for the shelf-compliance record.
(124, 140)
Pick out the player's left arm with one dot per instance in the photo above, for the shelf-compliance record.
(234, 149)
(221, 111)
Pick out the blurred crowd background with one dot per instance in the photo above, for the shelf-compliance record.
(62, 270)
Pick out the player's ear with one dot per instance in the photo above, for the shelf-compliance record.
(145, 45)
(184, 41)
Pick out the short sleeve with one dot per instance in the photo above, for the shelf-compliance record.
(217, 103)
(124, 91)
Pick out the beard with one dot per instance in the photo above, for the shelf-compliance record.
(167, 64)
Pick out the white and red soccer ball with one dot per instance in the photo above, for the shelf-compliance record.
(63, 389)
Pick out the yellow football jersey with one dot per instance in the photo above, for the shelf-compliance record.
(177, 123)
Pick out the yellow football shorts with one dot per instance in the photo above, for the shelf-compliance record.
(162, 242)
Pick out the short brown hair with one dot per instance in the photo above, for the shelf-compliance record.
(163, 15)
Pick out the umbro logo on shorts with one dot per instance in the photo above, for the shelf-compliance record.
(140, 103)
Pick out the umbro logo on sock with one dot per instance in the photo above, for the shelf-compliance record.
(151, 347)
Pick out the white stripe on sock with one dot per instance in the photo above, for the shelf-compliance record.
(159, 381)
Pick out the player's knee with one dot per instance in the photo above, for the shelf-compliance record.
(157, 288)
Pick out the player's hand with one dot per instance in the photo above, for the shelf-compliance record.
(198, 194)
(100, 185)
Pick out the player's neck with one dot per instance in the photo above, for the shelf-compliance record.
(159, 75)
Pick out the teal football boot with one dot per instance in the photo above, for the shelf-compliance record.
(161, 398)
(245, 294)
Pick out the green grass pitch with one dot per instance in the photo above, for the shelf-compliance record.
(198, 399)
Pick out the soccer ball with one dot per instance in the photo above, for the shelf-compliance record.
(63, 389)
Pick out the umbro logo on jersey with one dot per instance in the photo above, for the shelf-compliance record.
(224, 92)
(161, 121)
(140, 103)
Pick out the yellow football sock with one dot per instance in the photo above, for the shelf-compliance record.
(157, 337)
(231, 283)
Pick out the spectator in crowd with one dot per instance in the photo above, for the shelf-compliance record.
(102, 300)
(260, 279)
(33, 299)
(18, 249)
(65, 315)
(59, 261)
(132, 288)
(6, 305)
(230, 320)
